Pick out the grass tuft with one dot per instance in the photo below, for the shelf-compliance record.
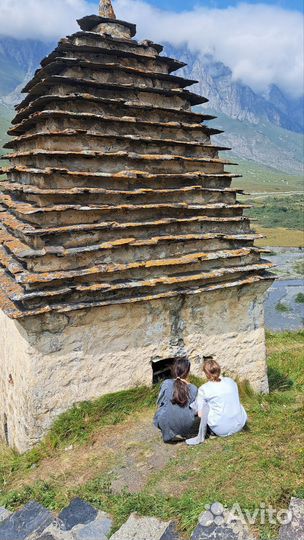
(282, 307)
(77, 424)
(299, 267)
(278, 211)
(299, 298)
(278, 381)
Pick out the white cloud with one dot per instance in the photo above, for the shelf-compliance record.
(40, 19)
(262, 44)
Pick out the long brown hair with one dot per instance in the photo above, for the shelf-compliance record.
(212, 370)
(180, 372)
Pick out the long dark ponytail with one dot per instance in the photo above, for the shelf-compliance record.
(180, 372)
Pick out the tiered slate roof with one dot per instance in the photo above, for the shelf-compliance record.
(114, 192)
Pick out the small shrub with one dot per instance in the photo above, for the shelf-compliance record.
(278, 380)
(282, 307)
(300, 298)
(43, 492)
(299, 267)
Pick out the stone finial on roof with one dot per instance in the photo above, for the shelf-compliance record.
(106, 9)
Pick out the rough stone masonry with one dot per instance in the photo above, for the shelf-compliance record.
(123, 243)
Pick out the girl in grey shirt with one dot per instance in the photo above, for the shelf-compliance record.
(175, 417)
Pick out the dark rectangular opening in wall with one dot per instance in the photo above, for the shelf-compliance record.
(162, 369)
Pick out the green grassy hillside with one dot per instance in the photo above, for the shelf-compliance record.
(258, 178)
(278, 211)
(6, 115)
(263, 143)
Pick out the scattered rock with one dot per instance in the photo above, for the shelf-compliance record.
(294, 530)
(32, 518)
(143, 528)
(4, 514)
(78, 512)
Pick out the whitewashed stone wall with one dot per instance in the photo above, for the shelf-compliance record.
(48, 363)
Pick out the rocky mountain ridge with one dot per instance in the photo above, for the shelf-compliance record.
(236, 99)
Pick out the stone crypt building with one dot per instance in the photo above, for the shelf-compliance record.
(122, 242)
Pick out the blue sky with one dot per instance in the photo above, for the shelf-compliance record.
(181, 5)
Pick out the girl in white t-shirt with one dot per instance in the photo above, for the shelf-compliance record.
(218, 405)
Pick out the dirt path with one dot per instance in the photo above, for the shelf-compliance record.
(130, 452)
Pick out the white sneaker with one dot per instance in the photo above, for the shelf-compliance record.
(194, 441)
(177, 438)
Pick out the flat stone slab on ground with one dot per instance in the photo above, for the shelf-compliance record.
(96, 529)
(4, 513)
(145, 528)
(51, 536)
(217, 523)
(78, 512)
(295, 529)
(99, 529)
(47, 536)
(215, 532)
(18, 526)
(53, 532)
